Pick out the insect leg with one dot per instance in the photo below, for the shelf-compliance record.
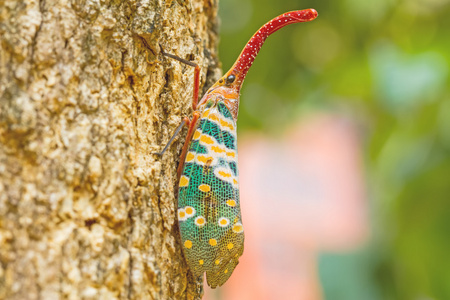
(196, 75)
(192, 126)
(185, 122)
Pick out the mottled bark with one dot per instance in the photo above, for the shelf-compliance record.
(86, 210)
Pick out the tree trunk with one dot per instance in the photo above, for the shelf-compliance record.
(86, 210)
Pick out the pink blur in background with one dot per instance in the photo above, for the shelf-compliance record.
(301, 194)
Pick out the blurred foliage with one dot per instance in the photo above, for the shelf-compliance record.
(385, 63)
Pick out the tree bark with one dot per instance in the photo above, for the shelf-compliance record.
(86, 210)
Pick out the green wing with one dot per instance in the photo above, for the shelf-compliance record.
(208, 203)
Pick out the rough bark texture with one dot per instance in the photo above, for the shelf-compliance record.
(86, 210)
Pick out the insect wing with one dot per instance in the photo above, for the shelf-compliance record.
(208, 202)
(227, 257)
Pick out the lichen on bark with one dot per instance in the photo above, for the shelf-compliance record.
(86, 210)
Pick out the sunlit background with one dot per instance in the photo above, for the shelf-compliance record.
(344, 143)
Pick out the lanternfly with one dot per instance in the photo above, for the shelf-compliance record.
(209, 213)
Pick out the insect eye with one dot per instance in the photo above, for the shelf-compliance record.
(230, 79)
(221, 80)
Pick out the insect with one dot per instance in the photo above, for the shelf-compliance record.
(209, 215)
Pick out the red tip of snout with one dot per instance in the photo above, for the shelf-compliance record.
(305, 15)
(313, 13)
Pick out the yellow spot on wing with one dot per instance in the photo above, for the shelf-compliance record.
(190, 156)
(206, 139)
(238, 228)
(217, 149)
(231, 154)
(230, 246)
(223, 222)
(196, 134)
(205, 113)
(189, 210)
(217, 262)
(182, 214)
(226, 124)
(204, 188)
(184, 181)
(188, 244)
(224, 174)
(200, 221)
(226, 271)
(231, 203)
(204, 159)
(212, 242)
(201, 261)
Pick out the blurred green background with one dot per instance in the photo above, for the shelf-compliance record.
(385, 63)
